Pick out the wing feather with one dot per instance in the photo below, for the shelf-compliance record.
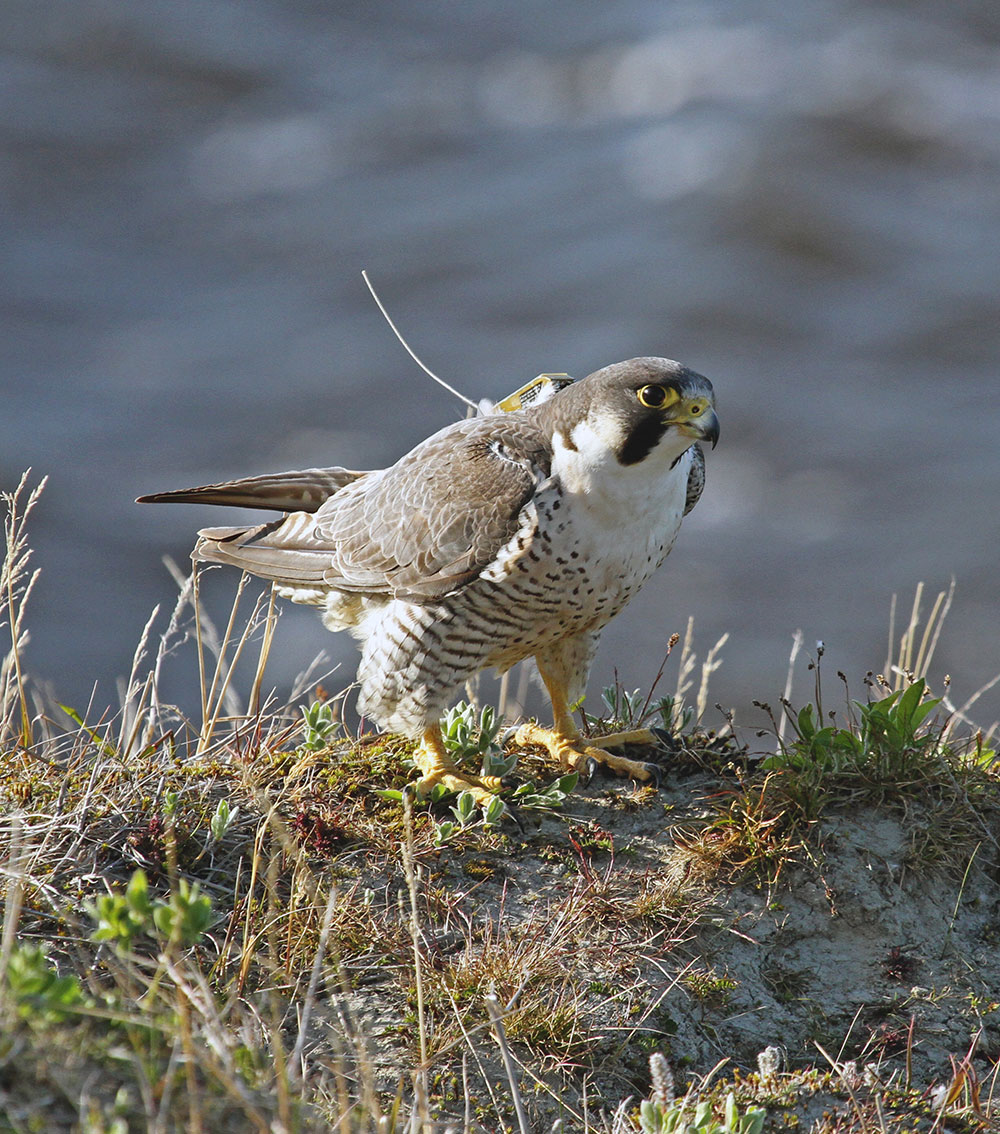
(303, 490)
(420, 529)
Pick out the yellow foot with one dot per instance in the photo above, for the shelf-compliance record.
(437, 767)
(575, 754)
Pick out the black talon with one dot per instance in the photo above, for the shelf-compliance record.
(588, 769)
(655, 773)
(515, 813)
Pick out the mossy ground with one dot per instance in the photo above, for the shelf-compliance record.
(705, 921)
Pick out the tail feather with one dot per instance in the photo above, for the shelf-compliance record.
(288, 560)
(297, 491)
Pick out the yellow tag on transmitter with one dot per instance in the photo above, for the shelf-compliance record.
(535, 392)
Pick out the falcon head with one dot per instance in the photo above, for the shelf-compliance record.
(636, 408)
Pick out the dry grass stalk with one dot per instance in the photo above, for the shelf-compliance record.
(16, 585)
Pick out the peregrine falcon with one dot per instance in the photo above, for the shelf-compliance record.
(499, 538)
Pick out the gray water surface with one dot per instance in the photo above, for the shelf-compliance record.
(799, 201)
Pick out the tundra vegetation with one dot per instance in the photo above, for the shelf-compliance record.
(243, 921)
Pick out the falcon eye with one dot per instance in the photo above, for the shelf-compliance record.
(652, 397)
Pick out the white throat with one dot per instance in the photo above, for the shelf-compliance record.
(587, 464)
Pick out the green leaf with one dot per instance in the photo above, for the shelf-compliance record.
(567, 783)
(37, 989)
(102, 744)
(924, 710)
(494, 811)
(222, 820)
(121, 915)
(318, 725)
(137, 894)
(804, 722)
(186, 916)
(500, 766)
(464, 808)
(444, 831)
(910, 700)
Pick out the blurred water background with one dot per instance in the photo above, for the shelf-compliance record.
(800, 201)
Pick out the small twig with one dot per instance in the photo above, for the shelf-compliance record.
(684, 670)
(270, 622)
(838, 1069)
(467, 1117)
(909, 1051)
(15, 562)
(496, 1018)
(892, 634)
(136, 692)
(409, 350)
(671, 642)
(958, 900)
(906, 643)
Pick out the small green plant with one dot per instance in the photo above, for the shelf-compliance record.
(710, 986)
(551, 796)
(674, 715)
(317, 726)
(471, 741)
(38, 991)
(826, 749)
(465, 811)
(623, 708)
(979, 756)
(675, 1117)
(891, 729)
(222, 820)
(888, 741)
(527, 796)
(187, 914)
(122, 916)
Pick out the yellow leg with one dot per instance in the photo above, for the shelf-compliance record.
(566, 745)
(437, 767)
(634, 736)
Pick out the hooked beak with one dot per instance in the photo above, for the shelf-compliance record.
(704, 428)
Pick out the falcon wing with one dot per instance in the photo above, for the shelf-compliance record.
(418, 530)
(303, 491)
(696, 478)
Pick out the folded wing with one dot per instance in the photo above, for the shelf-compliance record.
(696, 478)
(418, 530)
